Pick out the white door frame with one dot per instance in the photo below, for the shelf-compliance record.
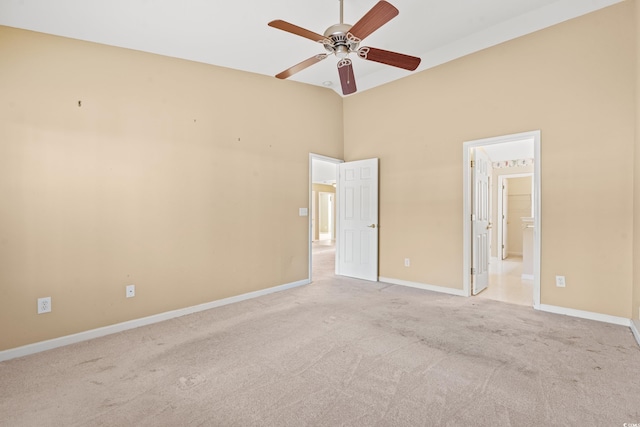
(466, 214)
(324, 159)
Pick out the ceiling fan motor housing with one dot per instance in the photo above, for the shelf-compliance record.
(339, 41)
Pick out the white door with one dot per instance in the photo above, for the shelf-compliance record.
(505, 218)
(357, 192)
(480, 221)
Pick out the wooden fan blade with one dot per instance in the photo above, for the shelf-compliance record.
(301, 66)
(379, 15)
(298, 31)
(347, 79)
(394, 59)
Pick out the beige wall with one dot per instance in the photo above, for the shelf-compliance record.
(574, 82)
(181, 178)
(636, 255)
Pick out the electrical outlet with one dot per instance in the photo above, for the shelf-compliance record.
(131, 291)
(407, 262)
(560, 282)
(44, 305)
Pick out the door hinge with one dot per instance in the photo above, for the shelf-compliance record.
(473, 217)
(472, 163)
(473, 271)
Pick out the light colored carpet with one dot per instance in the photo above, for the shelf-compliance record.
(337, 352)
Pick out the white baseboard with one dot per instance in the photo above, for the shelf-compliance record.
(585, 314)
(131, 324)
(442, 289)
(635, 328)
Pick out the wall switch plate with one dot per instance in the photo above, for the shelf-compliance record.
(44, 305)
(407, 262)
(303, 212)
(560, 282)
(131, 291)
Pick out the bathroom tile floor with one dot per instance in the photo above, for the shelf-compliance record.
(506, 283)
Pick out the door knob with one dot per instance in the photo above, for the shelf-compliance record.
(371, 226)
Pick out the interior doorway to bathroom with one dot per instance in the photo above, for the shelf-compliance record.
(511, 265)
(502, 218)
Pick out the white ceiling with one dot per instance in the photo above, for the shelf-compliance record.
(235, 34)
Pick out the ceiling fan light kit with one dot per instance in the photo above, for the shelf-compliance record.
(342, 39)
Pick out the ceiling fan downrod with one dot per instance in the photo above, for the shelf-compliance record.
(338, 39)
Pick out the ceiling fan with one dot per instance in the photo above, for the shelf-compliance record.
(342, 39)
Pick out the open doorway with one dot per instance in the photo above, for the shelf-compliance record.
(352, 236)
(511, 266)
(502, 218)
(323, 182)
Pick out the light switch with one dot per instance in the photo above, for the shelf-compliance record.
(304, 212)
